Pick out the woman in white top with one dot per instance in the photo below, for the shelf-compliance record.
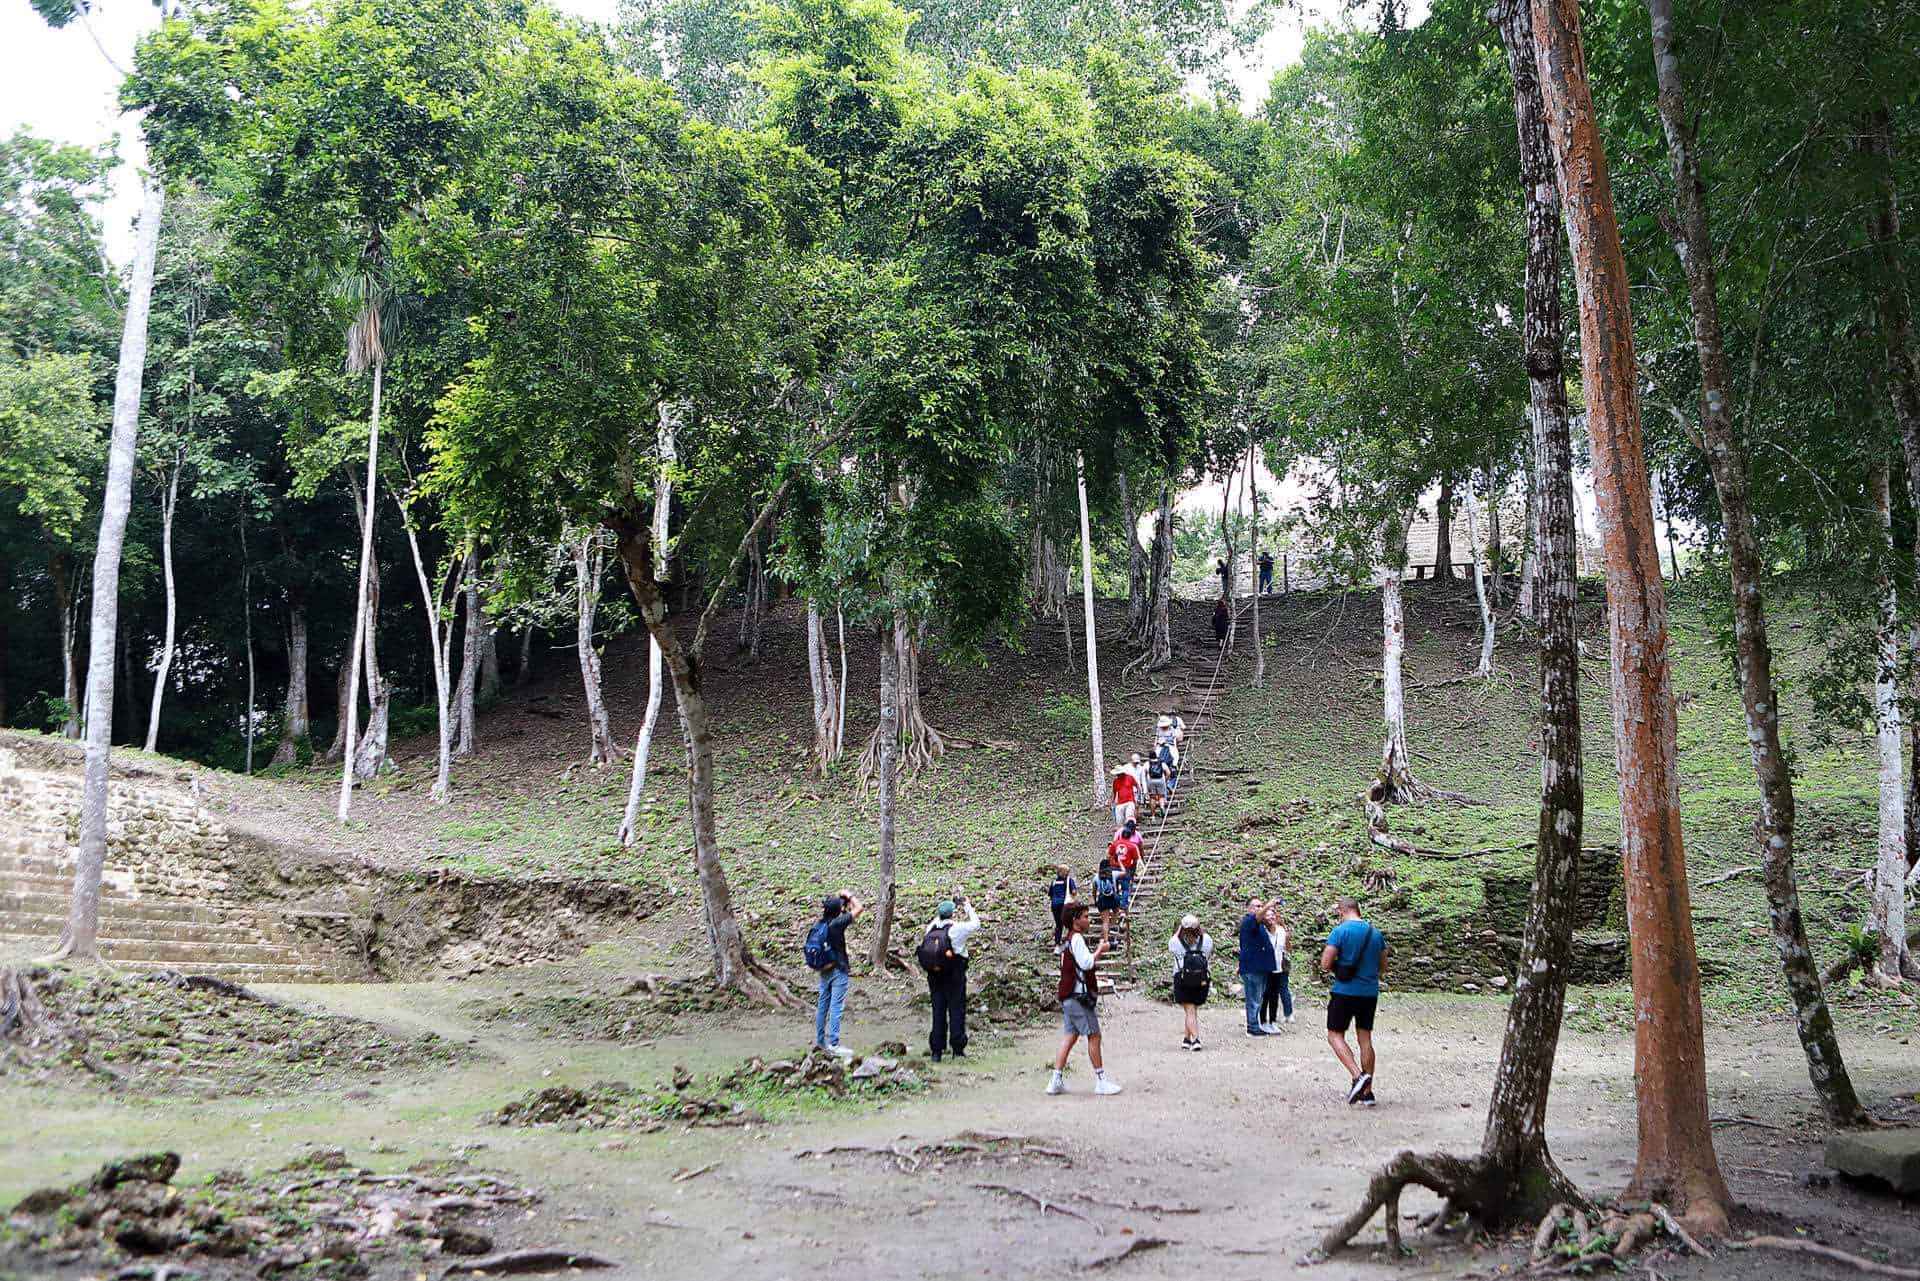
(1192, 950)
(1279, 997)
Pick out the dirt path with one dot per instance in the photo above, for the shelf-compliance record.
(1253, 1135)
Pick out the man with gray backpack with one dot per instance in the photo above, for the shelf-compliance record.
(943, 955)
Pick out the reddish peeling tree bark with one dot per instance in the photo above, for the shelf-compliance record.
(1693, 243)
(1676, 1162)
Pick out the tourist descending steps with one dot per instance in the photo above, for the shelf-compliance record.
(1256, 962)
(1278, 999)
(943, 955)
(1192, 949)
(826, 956)
(1355, 954)
(1059, 894)
(1079, 998)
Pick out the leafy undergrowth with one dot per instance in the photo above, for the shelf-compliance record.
(757, 1091)
(318, 1216)
(164, 1034)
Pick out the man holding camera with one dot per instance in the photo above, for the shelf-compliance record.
(943, 955)
(834, 967)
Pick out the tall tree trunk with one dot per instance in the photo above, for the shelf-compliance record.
(1443, 532)
(525, 669)
(887, 771)
(295, 721)
(1159, 652)
(6, 616)
(1137, 601)
(489, 653)
(1253, 488)
(1496, 548)
(1525, 603)
(588, 568)
(363, 617)
(1396, 769)
(732, 967)
(1676, 1162)
(81, 939)
(337, 750)
(828, 731)
(1888, 911)
(60, 573)
(246, 618)
(476, 627)
(168, 505)
(919, 743)
(1093, 645)
(1693, 243)
(662, 514)
(1485, 666)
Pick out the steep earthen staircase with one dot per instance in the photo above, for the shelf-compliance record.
(1206, 679)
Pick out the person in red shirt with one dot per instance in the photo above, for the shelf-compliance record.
(1126, 790)
(1124, 851)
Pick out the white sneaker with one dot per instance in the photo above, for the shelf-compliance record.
(839, 1051)
(1106, 1085)
(1288, 1019)
(1057, 1084)
(1273, 1029)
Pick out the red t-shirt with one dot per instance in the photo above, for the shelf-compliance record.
(1124, 852)
(1124, 788)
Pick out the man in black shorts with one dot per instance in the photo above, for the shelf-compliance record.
(1354, 955)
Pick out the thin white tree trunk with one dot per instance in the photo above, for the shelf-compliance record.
(81, 939)
(888, 767)
(167, 508)
(643, 745)
(1093, 645)
(469, 652)
(1480, 591)
(295, 722)
(840, 615)
(1888, 912)
(362, 620)
(1253, 492)
(246, 615)
(829, 735)
(1396, 770)
(370, 756)
(440, 645)
(587, 567)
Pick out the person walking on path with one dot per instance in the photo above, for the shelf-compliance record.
(1159, 777)
(943, 955)
(1226, 577)
(1059, 894)
(1192, 949)
(1125, 790)
(826, 954)
(1079, 996)
(1266, 573)
(1256, 962)
(1355, 954)
(1222, 619)
(1278, 1000)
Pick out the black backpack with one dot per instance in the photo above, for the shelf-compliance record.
(1193, 967)
(1346, 971)
(935, 949)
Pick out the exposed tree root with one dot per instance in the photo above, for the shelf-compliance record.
(763, 987)
(1798, 1246)
(1474, 1186)
(21, 1013)
(542, 1259)
(1138, 1245)
(1040, 1201)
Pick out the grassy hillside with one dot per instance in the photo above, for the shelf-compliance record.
(1276, 810)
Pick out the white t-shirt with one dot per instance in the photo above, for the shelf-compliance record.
(960, 930)
(1278, 933)
(1082, 954)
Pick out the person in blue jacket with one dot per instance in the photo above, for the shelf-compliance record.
(1257, 960)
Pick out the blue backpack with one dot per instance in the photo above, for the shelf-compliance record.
(818, 951)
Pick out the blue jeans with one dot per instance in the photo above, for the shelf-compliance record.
(1126, 889)
(826, 1013)
(1256, 990)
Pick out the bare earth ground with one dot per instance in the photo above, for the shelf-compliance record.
(1252, 1134)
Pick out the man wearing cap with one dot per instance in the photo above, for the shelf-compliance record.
(943, 954)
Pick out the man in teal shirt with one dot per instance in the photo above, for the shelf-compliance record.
(1354, 955)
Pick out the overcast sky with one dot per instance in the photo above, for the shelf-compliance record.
(59, 84)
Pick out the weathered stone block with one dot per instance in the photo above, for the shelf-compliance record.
(1890, 1156)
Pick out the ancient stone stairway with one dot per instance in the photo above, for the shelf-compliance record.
(146, 932)
(1206, 680)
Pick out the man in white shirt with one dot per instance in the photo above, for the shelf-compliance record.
(943, 955)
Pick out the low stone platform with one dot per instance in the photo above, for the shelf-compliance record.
(1891, 1157)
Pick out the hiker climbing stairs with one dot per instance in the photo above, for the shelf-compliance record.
(1205, 680)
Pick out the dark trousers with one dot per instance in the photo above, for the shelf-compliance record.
(1278, 997)
(1266, 579)
(949, 991)
(1059, 923)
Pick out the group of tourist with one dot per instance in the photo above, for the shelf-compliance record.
(1353, 955)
